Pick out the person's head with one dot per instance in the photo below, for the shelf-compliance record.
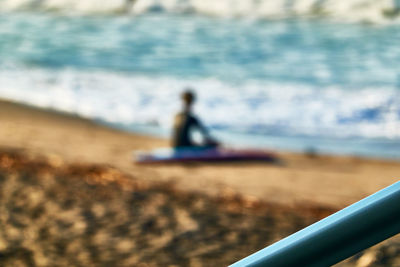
(188, 97)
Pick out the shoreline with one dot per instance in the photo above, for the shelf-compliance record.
(327, 180)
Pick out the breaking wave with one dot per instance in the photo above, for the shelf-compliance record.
(375, 11)
(259, 107)
(287, 84)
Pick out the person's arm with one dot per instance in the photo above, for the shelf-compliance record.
(203, 129)
(208, 138)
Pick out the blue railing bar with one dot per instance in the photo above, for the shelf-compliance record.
(337, 237)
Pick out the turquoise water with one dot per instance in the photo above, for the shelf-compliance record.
(292, 84)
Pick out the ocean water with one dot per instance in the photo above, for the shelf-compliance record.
(302, 79)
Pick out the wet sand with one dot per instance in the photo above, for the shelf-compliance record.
(327, 180)
(70, 196)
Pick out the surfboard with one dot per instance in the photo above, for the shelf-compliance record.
(167, 155)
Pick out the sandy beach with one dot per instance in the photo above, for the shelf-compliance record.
(331, 181)
(69, 185)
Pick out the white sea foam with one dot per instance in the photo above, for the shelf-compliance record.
(376, 11)
(253, 107)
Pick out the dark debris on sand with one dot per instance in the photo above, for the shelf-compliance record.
(58, 214)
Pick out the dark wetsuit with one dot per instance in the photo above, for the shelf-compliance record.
(184, 122)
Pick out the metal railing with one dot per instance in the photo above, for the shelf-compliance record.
(336, 237)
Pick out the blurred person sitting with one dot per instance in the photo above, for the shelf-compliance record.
(185, 122)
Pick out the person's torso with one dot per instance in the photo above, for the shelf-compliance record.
(182, 124)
